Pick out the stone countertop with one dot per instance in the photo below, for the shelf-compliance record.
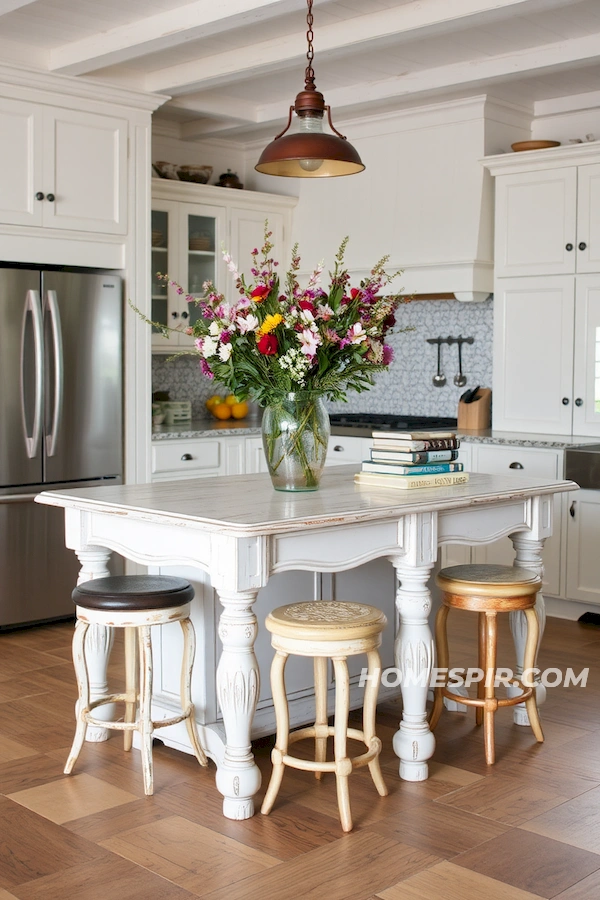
(201, 428)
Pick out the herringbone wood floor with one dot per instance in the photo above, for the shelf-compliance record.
(525, 828)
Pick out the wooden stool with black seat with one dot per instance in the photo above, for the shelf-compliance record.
(488, 590)
(135, 603)
(326, 630)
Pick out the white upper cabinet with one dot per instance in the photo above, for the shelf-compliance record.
(85, 171)
(20, 162)
(190, 225)
(62, 168)
(586, 358)
(588, 219)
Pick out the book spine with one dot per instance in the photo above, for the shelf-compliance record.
(409, 446)
(389, 468)
(410, 482)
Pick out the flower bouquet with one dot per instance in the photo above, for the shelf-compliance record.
(290, 347)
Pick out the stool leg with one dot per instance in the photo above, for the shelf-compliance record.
(187, 663)
(489, 691)
(441, 644)
(343, 766)
(482, 666)
(369, 712)
(131, 683)
(533, 629)
(145, 718)
(83, 687)
(282, 718)
(321, 723)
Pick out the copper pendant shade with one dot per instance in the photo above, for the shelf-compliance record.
(304, 150)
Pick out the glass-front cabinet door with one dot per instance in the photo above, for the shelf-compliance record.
(203, 230)
(162, 254)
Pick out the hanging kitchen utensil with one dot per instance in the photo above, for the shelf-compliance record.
(460, 380)
(439, 379)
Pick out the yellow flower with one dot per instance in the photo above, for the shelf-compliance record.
(270, 324)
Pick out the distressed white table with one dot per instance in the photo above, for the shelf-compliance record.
(239, 531)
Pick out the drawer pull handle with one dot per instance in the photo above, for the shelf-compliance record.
(516, 465)
(572, 510)
(338, 448)
(186, 457)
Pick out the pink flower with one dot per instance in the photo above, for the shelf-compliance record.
(309, 341)
(206, 369)
(388, 354)
(356, 334)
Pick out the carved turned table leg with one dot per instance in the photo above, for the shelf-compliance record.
(413, 742)
(238, 777)
(99, 641)
(528, 555)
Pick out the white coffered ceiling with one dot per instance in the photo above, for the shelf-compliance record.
(232, 67)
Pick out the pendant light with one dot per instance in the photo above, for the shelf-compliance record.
(305, 150)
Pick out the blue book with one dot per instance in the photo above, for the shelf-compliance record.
(397, 469)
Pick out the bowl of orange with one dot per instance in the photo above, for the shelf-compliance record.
(227, 407)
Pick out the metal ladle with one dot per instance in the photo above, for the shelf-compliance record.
(439, 379)
(460, 380)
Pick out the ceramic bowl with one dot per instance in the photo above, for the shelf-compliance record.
(197, 174)
(166, 170)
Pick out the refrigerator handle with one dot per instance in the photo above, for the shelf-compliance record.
(33, 306)
(59, 369)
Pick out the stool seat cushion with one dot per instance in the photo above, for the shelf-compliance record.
(127, 593)
(326, 620)
(488, 580)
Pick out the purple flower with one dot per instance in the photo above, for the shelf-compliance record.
(388, 354)
(206, 369)
(225, 337)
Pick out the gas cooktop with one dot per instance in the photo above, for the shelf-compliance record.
(382, 422)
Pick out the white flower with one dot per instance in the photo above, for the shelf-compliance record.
(214, 328)
(225, 351)
(357, 334)
(209, 347)
(247, 323)
(310, 341)
(306, 316)
(324, 311)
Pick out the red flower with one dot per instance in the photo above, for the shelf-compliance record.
(354, 292)
(260, 292)
(306, 304)
(268, 345)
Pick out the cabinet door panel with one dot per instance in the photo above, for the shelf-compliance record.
(586, 375)
(247, 233)
(588, 218)
(201, 233)
(85, 167)
(535, 220)
(20, 162)
(533, 354)
(583, 559)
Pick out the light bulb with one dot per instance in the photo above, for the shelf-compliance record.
(310, 165)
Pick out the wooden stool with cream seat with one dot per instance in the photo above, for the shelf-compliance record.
(488, 590)
(135, 603)
(326, 630)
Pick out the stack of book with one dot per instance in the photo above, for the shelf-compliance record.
(417, 459)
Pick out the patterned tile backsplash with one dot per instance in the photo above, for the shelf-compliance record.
(406, 387)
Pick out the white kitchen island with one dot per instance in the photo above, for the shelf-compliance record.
(239, 531)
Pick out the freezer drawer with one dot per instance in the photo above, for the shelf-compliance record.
(37, 571)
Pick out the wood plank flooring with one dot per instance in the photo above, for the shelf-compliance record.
(525, 828)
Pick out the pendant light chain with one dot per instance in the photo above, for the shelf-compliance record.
(309, 75)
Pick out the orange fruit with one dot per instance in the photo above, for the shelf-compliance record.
(213, 401)
(231, 399)
(221, 411)
(239, 410)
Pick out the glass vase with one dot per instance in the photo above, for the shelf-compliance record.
(295, 434)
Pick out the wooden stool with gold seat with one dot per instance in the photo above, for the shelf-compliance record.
(326, 630)
(488, 590)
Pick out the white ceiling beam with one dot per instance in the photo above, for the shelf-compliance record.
(202, 128)
(530, 63)
(409, 21)
(212, 104)
(190, 22)
(8, 6)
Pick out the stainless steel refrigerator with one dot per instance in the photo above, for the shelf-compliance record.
(61, 411)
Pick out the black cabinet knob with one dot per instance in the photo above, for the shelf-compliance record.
(516, 465)
(582, 245)
(338, 448)
(579, 402)
(185, 315)
(174, 315)
(565, 401)
(569, 247)
(572, 510)
(50, 197)
(186, 457)
(39, 196)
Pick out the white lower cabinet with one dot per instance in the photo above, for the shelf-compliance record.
(583, 558)
(345, 450)
(505, 460)
(198, 458)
